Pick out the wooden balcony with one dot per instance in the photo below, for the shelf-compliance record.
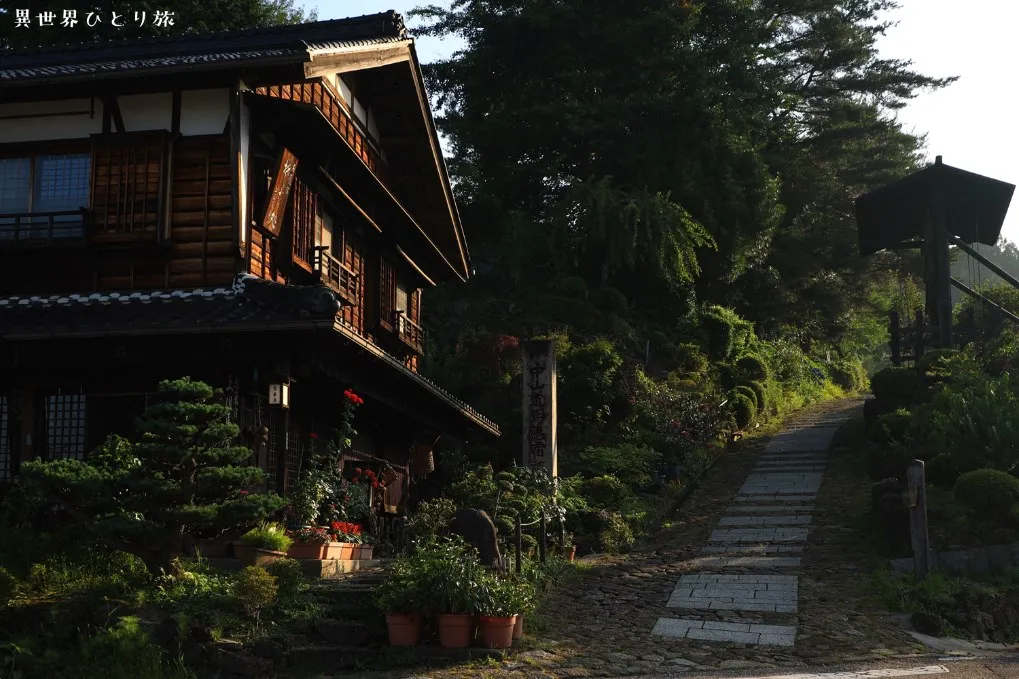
(43, 229)
(325, 99)
(410, 334)
(338, 276)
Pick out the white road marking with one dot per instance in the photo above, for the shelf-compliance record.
(865, 674)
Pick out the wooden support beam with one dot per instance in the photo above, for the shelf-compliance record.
(983, 300)
(917, 496)
(1011, 280)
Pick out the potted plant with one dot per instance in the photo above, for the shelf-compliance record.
(263, 545)
(452, 574)
(346, 537)
(501, 606)
(523, 604)
(308, 543)
(365, 550)
(399, 597)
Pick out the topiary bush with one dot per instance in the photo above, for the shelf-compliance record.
(752, 367)
(988, 491)
(895, 384)
(747, 391)
(936, 362)
(761, 392)
(690, 359)
(893, 428)
(743, 410)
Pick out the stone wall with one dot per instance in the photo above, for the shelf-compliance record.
(995, 559)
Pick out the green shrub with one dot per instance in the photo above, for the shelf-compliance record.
(988, 490)
(690, 359)
(727, 376)
(617, 536)
(848, 374)
(256, 589)
(290, 577)
(631, 463)
(606, 492)
(573, 286)
(747, 390)
(609, 300)
(270, 536)
(896, 384)
(743, 410)
(762, 395)
(893, 428)
(430, 518)
(8, 587)
(936, 362)
(942, 471)
(123, 651)
(752, 367)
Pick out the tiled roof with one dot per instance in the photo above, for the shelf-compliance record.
(175, 52)
(249, 302)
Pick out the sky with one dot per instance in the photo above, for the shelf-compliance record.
(967, 123)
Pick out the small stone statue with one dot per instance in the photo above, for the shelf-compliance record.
(477, 528)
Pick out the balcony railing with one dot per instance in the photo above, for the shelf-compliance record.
(337, 275)
(42, 228)
(409, 332)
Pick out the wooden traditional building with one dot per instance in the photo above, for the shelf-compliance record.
(259, 209)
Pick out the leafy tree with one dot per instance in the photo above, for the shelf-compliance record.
(183, 479)
(190, 17)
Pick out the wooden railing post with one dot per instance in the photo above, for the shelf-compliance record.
(519, 544)
(917, 494)
(542, 536)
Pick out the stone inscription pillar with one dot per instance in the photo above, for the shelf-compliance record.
(539, 380)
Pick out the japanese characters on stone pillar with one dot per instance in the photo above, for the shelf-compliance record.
(540, 423)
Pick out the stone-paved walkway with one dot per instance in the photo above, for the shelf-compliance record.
(600, 623)
(772, 510)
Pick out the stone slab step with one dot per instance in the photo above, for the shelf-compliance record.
(764, 520)
(770, 509)
(784, 498)
(762, 562)
(764, 593)
(730, 632)
(751, 550)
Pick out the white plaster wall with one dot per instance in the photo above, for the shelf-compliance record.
(373, 128)
(204, 111)
(143, 112)
(344, 91)
(78, 124)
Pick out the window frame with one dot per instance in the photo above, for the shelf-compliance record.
(32, 151)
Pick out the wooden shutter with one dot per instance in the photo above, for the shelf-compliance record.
(128, 186)
(387, 292)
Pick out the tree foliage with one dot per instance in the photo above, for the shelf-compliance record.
(183, 479)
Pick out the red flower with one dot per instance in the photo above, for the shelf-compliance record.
(352, 397)
(244, 492)
(358, 471)
(313, 435)
(375, 484)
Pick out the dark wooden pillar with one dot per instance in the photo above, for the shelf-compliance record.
(937, 269)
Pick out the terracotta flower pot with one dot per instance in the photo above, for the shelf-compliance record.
(518, 629)
(364, 552)
(255, 556)
(404, 628)
(455, 630)
(497, 632)
(306, 550)
(571, 552)
(340, 550)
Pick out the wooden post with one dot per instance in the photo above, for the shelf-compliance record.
(520, 544)
(918, 340)
(917, 494)
(542, 536)
(894, 330)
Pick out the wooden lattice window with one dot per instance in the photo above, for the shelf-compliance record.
(387, 292)
(64, 418)
(6, 454)
(128, 186)
(303, 214)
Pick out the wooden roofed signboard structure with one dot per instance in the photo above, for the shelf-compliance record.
(932, 209)
(253, 209)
